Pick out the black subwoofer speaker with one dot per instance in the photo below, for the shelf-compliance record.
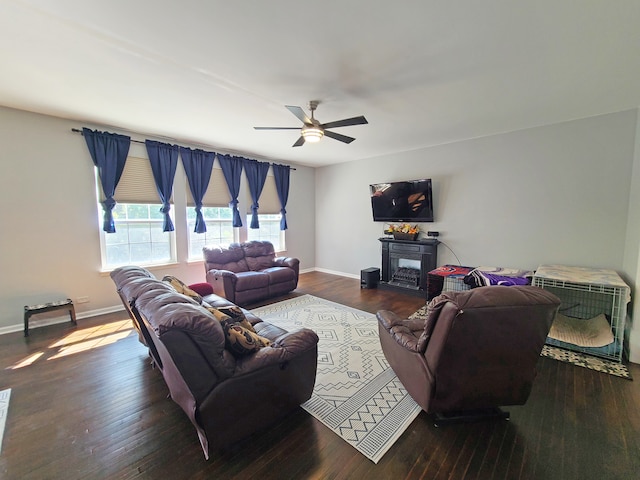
(369, 277)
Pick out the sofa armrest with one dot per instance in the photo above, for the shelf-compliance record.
(223, 283)
(284, 349)
(290, 262)
(401, 330)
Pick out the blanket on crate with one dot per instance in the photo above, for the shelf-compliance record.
(485, 276)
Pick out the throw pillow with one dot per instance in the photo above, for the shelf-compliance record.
(241, 341)
(202, 289)
(238, 316)
(240, 336)
(182, 287)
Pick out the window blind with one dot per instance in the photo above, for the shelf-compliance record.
(136, 184)
(217, 194)
(269, 201)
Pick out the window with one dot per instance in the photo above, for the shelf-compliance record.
(217, 215)
(268, 216)
(139, 238)
(219, 222)
(269, 230)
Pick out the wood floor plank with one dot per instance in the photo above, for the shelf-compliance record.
(104, 413)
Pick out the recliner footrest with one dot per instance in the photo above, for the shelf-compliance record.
(468, 416)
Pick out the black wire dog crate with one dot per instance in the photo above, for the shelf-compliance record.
(586, 293)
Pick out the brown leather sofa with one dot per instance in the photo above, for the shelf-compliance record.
(226, 397)
(248, 272)
(475, 351)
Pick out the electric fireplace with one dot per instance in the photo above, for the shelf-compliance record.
(406, 263)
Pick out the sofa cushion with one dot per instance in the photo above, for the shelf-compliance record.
(173, 311)
(182, 287)
(258, 264)
(129, 272)
(259, 254)
(269, 330)
(251, 281)
(232, 258)
(132, 289)
(280, 274)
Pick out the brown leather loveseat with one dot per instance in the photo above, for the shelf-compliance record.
(247, 272)
(474, 352)
(226, 396)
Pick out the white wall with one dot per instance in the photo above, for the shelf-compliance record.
(632, 253)
(49, 220)
(553, 194)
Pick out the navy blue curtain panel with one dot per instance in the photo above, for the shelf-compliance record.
(281, 174)
(256, 173)
(109, 153)
(164, 160)
(232, 169)
(197, 166)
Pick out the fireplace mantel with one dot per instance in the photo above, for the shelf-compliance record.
(419, 256)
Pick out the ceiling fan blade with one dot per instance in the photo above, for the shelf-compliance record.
(337, 136)
(346, 122)
(299, 142)
(276, 128)
(298, 112)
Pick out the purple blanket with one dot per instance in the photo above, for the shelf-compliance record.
(479, 278)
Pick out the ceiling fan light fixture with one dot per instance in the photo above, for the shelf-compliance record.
(312, 134)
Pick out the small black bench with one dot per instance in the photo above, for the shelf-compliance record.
(30, 310)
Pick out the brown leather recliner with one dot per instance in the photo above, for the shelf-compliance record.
(247, 272)
(474, 352)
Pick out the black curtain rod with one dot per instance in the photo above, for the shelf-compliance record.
(77, 130)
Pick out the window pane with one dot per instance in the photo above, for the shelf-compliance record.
(219, 229)
(157, 235)
(120, 237)
(118, 255)
(137, 211)
(139, 238)
(139, 233)
(160, 252)
(119, 211)
(155, 212)
(140, 252)
(226, 213)
(269, 230)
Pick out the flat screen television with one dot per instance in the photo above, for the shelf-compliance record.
(410, 201)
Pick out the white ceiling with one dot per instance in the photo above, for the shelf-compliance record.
(422, 72)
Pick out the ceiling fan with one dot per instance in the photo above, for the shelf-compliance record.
(312, 130)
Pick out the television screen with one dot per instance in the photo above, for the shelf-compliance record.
(409, 201)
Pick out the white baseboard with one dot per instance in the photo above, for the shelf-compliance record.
(333, 272)
(34, 323)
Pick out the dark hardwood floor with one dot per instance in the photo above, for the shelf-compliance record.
(86, 403)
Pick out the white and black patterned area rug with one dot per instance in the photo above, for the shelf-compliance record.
(587, 361)
(5, 395)
(357, 395)
(567, 356)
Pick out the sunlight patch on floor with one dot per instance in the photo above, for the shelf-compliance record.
(80, 340)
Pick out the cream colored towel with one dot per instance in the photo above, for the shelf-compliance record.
(594, 332)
